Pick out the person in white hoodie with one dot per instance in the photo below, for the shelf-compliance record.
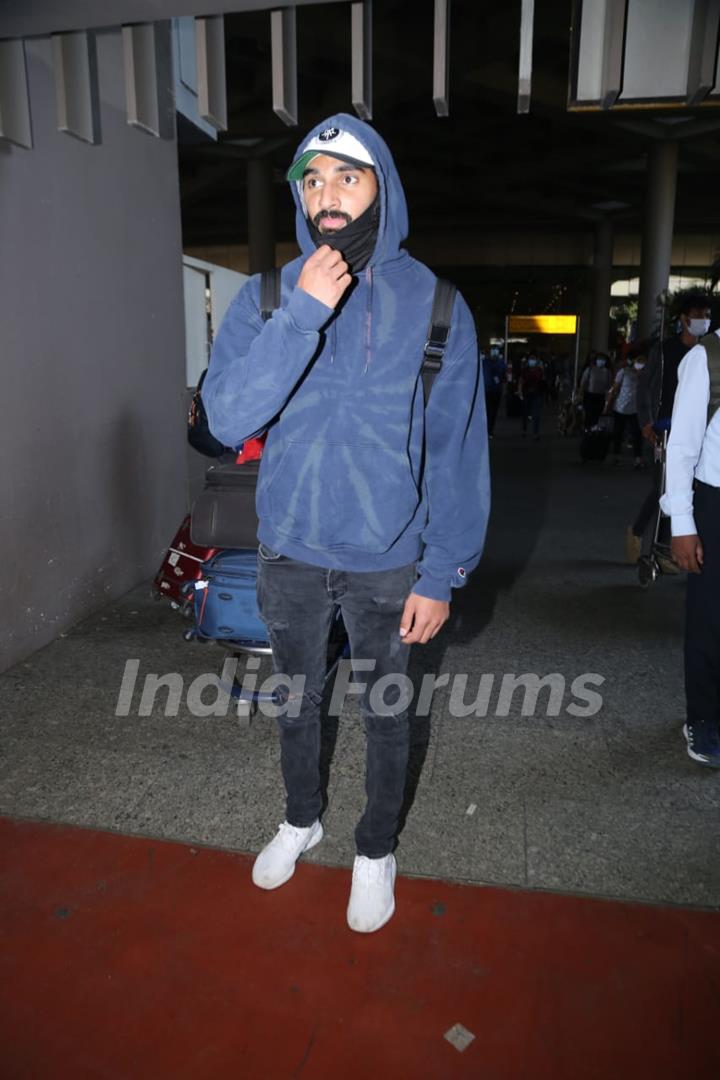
(692, 501)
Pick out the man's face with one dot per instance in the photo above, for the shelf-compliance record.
(694, 313)
(337, 193)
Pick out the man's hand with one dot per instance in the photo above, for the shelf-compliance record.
(648, 433)
(422, 618)
(325, 276)
(687, 552)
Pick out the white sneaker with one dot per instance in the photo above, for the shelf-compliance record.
(372, 898)
(276, 862)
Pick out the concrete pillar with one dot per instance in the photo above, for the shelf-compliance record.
(602, 281)
(657, 233)
(261, 215)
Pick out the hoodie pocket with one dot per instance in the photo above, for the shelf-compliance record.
(338, 495)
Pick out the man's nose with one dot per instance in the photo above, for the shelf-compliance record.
(329, 199)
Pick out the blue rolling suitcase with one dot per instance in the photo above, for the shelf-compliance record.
(225, 602)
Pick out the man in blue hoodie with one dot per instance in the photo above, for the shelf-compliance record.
(366, 500)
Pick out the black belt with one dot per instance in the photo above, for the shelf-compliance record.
(700, 485)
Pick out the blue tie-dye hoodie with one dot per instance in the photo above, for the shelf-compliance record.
(345, 482)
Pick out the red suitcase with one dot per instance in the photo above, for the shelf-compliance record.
(181, 565)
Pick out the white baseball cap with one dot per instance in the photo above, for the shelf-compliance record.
(335, 143)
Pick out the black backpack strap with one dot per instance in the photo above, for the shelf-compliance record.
(438, 334)
(269, 292)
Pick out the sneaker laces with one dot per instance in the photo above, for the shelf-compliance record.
(368, 871)
(710, 746)
(288, 835)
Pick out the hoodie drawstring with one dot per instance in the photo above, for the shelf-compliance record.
(368, 317)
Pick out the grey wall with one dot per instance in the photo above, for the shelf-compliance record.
(92, 441)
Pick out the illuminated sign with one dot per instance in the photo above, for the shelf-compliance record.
(542, 324)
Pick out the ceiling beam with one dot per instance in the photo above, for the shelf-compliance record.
(18, 18)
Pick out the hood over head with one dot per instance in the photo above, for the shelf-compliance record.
(393, 223)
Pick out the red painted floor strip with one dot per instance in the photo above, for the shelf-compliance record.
(128, 957)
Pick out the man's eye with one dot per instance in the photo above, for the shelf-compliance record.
(350, 179)
(313, 182)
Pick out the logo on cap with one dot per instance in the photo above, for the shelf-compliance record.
(329, 134)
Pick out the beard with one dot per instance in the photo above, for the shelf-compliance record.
(355, 240)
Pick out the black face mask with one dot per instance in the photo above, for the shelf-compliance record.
(356, 241)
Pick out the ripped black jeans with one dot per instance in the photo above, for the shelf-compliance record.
(297, 602)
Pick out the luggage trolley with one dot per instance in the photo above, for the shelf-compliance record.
(648, 565)
(225, 611)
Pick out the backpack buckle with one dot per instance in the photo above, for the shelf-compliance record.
(436, 342)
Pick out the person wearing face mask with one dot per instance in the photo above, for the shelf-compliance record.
(692, 502)
(368, 501)
(655, 397)
(623, 400)
(656, 387)
(532, 389)
(595, 384)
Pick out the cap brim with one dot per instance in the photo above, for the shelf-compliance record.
(298, 167)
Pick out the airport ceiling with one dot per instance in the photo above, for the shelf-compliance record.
(483, 167)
